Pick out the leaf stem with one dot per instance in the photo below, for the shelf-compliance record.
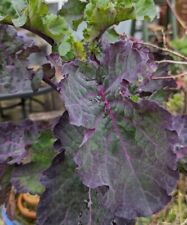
(33, 30)
(90, 206)
(50, 83)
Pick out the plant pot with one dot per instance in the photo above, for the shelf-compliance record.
(6, 220)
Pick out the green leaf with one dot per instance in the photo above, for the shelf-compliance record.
(36, 10)
(96, 10)
(26, 178)
(111, 36)
(175, 103)
(55, 26)
(145, 9)
(37, 80)
(12, 10)
(114, 12)
(64, 48)
(79, 50)
(180, 44)
(73, 12)
(5, 187)
(20, 21)
(21, 18)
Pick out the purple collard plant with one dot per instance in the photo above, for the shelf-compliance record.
(117, 156)
(117, 150)
(116, 143)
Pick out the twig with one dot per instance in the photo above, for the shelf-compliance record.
(165, 50)
(101, 33)
(176, 15)
(170, 77)
(171, 62)
(184, 223)
(90, 206)
(185, 102)
(180, 200)
(164, 38)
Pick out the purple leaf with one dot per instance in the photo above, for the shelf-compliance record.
(126, 60)
(26, 178)
(156, 82)
(14, 61)
(14, 45)
(123, 64)
(15, 139)
(63, 138)
(15, 79)
(81, 206)
(125, 146)
(79, 92)
(162, 70)
(131, 152)
(130, 157)
(180, 125)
